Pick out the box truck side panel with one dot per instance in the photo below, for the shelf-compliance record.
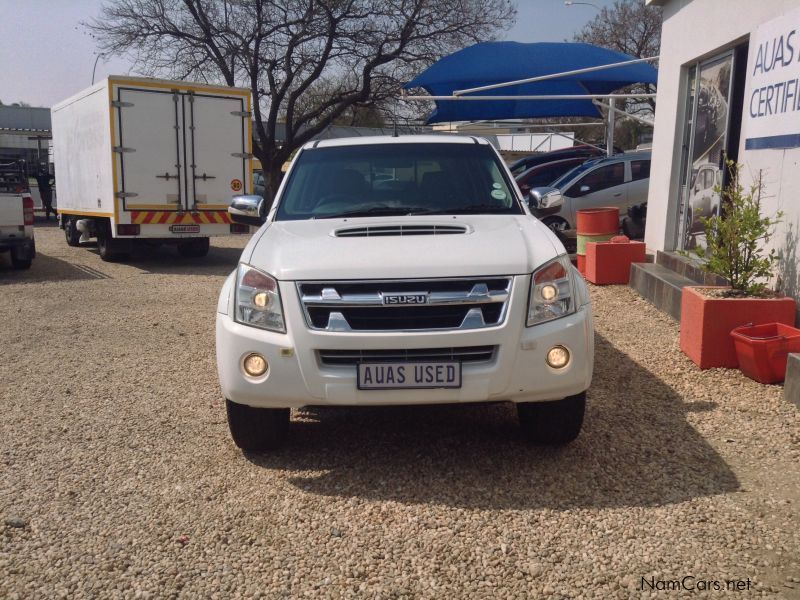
(219, 167)
(82, 142)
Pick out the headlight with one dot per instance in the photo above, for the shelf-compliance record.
(258, 300)
(552, 294)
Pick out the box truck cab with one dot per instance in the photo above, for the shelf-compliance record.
(401, 270)
(151, 161)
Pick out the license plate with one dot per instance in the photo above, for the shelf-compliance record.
(184, 228)
(408, 375)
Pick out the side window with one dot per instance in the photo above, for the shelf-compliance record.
(640, 169)
(600, 179)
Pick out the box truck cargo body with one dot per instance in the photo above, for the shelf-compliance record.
(144, 160)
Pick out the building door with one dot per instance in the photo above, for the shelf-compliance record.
(709, 96)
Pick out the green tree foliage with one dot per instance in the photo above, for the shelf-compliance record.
(736, 240)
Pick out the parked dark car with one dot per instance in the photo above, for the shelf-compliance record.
(585, 151)
(545, 174)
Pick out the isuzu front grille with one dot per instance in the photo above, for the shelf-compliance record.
(466, 354)
(405, 304)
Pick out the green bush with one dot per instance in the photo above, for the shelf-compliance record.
(735, 240)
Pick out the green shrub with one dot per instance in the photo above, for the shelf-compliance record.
(735, 240)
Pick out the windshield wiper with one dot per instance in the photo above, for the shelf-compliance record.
(373, 211)
(468, 209)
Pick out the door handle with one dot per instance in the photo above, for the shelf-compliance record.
(618, 194)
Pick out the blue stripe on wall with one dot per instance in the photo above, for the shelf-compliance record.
(790, 140)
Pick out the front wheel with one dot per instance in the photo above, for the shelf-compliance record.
(552, 423)
(257, 428)
(71, 232)
(194, 248)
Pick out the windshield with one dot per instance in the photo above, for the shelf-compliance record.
(396, 179)
(573, 173)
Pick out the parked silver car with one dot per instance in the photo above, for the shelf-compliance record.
(620, 180)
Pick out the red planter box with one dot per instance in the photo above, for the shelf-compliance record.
(706, 324)
(610, 262)
(763, 350)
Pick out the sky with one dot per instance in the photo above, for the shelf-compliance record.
(46, 55)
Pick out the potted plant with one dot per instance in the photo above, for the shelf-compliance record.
(735, 249)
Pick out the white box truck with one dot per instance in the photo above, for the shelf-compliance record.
(151, 161)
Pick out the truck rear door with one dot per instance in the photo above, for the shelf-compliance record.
(153, 154)
(217, 147)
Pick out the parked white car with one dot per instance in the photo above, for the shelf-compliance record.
(621, 180)
(401, 270)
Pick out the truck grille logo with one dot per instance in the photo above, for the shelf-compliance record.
(398, 299)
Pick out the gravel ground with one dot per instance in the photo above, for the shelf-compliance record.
(118, 477)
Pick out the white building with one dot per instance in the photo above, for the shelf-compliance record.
(728, 85)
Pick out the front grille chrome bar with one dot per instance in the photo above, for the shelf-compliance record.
(479, 294)
(441, 304)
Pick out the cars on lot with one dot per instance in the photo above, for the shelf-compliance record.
(584, 151)
(621, 180)
(401, 270)
(151, 162)
(16, 214)
(546, 173)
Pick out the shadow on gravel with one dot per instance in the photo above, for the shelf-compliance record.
(46, 268)
(636, 449)
(165, 260)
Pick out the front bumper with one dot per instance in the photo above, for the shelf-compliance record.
(517, 372)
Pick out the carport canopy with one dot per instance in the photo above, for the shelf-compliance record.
(570, 77)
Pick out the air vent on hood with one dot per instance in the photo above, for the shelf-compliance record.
(388, 230)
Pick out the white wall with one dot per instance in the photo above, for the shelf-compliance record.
(694, 30)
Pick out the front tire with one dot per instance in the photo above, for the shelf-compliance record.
(71, 232)
(257, 429)
(552, 423)
(194, 248)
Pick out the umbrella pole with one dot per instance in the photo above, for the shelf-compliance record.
(612, 114)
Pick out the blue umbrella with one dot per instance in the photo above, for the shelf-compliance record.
(489, 63)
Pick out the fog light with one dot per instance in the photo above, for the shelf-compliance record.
(255, 365)
(558, 357)
(549, 292)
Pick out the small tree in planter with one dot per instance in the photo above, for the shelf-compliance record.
(735, 250)
(735, 243)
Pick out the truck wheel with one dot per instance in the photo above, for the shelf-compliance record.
(194, 248)
(107, 245)
(552, 423)
(71, 232)
(257, 428)
(20, 263)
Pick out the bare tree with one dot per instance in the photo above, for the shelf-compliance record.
(632, 27)
(306, 62)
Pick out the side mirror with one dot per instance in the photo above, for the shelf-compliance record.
(545, 197)
(248, 210)
(584, 189)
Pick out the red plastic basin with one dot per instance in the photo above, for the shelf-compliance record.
(762, 350)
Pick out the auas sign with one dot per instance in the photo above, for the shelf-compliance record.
(773, 85)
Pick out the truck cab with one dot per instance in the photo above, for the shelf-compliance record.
(16, 214)
(401, 270)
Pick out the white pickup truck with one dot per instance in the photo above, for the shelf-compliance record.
(401, 270)
(16, 215)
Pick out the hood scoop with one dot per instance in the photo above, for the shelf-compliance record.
(395, 230)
